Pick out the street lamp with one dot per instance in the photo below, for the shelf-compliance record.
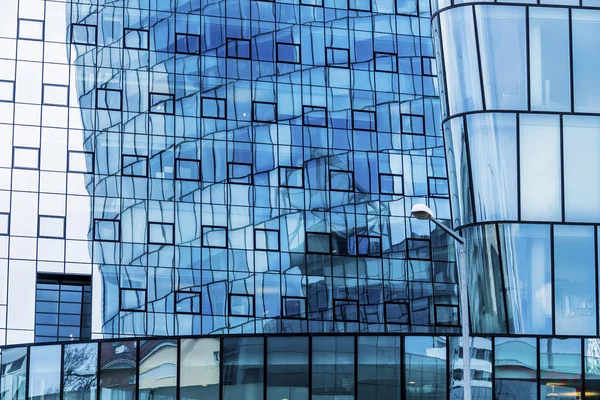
(424, 213)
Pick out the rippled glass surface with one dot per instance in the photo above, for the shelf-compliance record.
(199, 369)
(586, 55)
(425, 370)
(379, 374)
(287, 368)
(333, 368)
(158, 370)
(515, 367)
(560, 368)
(243, 368)
(13, 374)
(80, 367)
(459, 179)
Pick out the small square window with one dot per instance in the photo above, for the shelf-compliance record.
(341, 181)
(315, 3)
(214, 108)
(137, 39)
(315, 116)
(288, 53)
(368, 246)
(161, 233)
(80, 161)
(109, 99)
(55, 95)
(438, 187)
(364, 120)
(419, 249)
(264, 112)
(187, 43)
(337, 57)
(214, 236)
(346, 310)
(188, 302)
(397, 313)
(414, 124)
(83, 34)
(50, 226)
(7, 91)
(241, 305)
(187, 170)
(429, 66)
(133, 300)
(386, 62)
(238, 48)
(31, 29)
(291, 177)
(162, 103)
(446, 315)
(4, 223)
(294, 307)
(359, 5)
(26, 157)
(391, 184)
(133, 165)
(266, 239)
(107, 230)
(240, 173)
(318, 242)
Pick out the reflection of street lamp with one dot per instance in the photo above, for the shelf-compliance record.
(424, 213)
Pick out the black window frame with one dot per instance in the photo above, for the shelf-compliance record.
(435, 313)
(186, 51)
(306, 110)
(430, 186)
(218, 100)
(7, 216)
(330, 53)
(381, 190)
(409, 249)
(109, 90)
(430, 60)
(86, 154)
(421, 118)
(45, 85)
(43, 22)
(360, 9)
(190, 160)
(192, 293)
(336, 171)
(284, 313)
(37, 149)
(368, 238)
(95, 36)
(386, 312)
(13, 91)
(126, 31)
(283, 169)
(169, 98)
(297, 52)
(162, 224)
(256, 118)
(229, 305)
(139, 158)
(230, 41)
(307, 241)
(266, 230)
(214, 228)
(112, 221)
(145, 305)
(237, 181)
(378, 54)
(338, 304)
(373, 123)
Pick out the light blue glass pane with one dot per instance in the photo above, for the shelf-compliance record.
(526, 267)
(199, 371)
(458, 167)
(503, 56)
(560, 368)
(586, 57)
(458, 41)
(14, 373)
(539, 163)
(425, 367)
(574, 277)
(44, 372)
(493, 152)
(515, 368)
(549, 66)
(245, 357)
(80, 367)
(158, 370)
(581, 137)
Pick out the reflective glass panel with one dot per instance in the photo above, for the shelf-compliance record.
(118, 361)
(515, 368)
(243, 366)
(199, 371)
(158, 370)
(425, 367)
(481, 362)
(560, 368)
(586, 56)
(591, 351)
(332, 368)
(14, 374)
(379, 368)
(79, 371)
(287, 368)
(44, 372)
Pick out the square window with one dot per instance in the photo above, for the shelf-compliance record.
(294, 307)
(429, 66)
(337, 57)
(359, 5)
(214, 108)
(419, 249)
(315, 116)
(368, 246)
(162, 103)
(51, 226)
(238, 48)
(214, 236)
(241, 305)
(438, 187)
(187, 302)
(83, 34)
(341, 181)
(26, 157)
(414, 124)
(288, 53)
(107, 230)
(55, 95)
(346, 310)
(406, 7)
(137, 39)
(7, 91)
(240, 173)
(318, 242)
(315, 3)
(133, 165)
(266, 239)
(4, 223)
(80, 161)
(386, 62)
(133, 300)
(31, 29)
(264, 112)
(109, 99)
(187, 43)
(291, 177)
(397, 313)
(161, 233)
(187, 170)
(364, 120)
(446, 315)
(391, 184)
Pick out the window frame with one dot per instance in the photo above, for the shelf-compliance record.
(95, 27)
(266, 231)
(368, 238)
(177, 168)
(373, 121)
(45, 85)
(396, 303)
(255, 118)
(235, 42)
(43, 23)
(191, 293)
(284, 314)
(231, 179)
(113, 221)
(378, 54)
(139, 159)
(7, 216)
(178, 35)
(151, 105)
(282, 172)
(162, 224)
(435, 313)
(45, 216)
(330, 62)
(306, 110)
(401, 176)
(85, 154)
(213, 228)
(109, 90)
(229, 305)
(335, 171)
(123, 290)
(37, 149)
(297, 52)
(126, 31)
(309, 251)
(341, 317)
(217, 100)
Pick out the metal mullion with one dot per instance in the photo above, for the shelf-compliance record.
(571, 86)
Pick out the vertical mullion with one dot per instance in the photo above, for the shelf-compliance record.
(479, 67)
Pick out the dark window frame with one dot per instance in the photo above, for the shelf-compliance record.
(7, 215)
(232, 180)
(229, 304)
(411, 116)
(409, 249)
(378, 54)
(14, 88)
(282, 172)
(112, 221)
(213, 228)
(284, 313)
(177, 168)
(169, 98)
(435, 313)
(297, 51)
(381, 190)
(119, 91)
(45, 85)
(373, 121)
(306, 110)
(216, 99)
(258, 230)
(26, 148)
(308, 251)
(235, 42)
(31, 20)
(430, 186)
(368, 238)
(360, 9)
(334, 171)
(145, 305)
(342, 317)
(162, 224)
(85, 154)
(186, 51)
(129, 30)
(139, 159)
(330, 61)
(430, 60)
(396, 303)
(256, 118)
(192, 293)
(73, 26)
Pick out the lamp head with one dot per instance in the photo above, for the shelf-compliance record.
(422, 212)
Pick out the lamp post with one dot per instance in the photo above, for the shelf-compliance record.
(424, 213)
